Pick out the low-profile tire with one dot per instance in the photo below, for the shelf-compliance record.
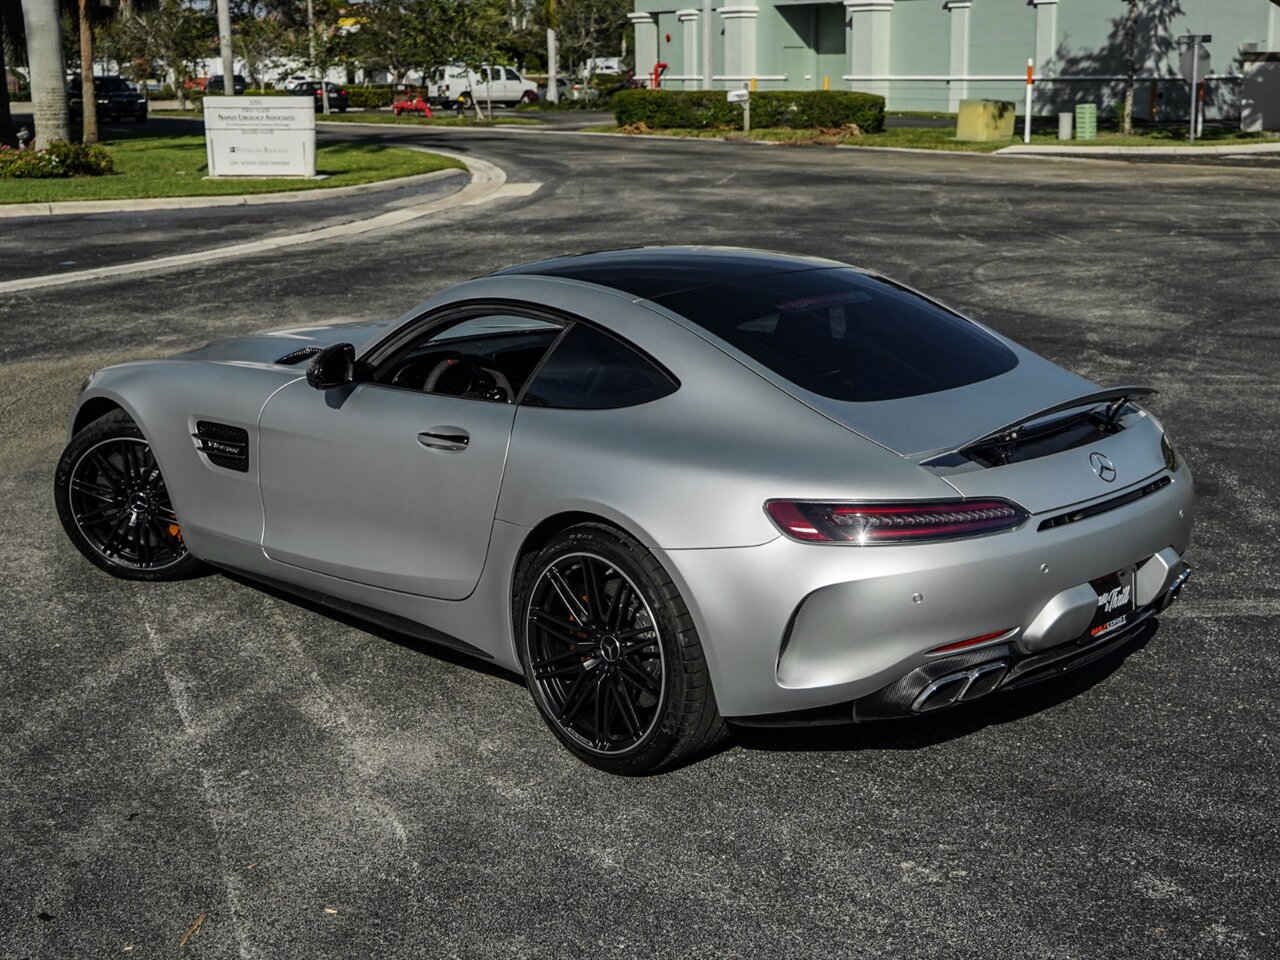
(610, 653)
(115, 507)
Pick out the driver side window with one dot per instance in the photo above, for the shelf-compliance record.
(479, 356)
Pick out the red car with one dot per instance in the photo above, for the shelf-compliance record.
(414, 104)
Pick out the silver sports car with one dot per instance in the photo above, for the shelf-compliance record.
(673, 486)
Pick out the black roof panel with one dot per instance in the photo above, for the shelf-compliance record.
(652, 272)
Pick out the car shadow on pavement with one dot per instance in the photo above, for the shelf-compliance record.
(916, 733)
(425, 647)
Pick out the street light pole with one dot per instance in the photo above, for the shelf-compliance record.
(224, 41)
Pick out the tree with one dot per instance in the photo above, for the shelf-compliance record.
(586, 29)
(1130, 64)
(89, 111)
(10, 28)
(48, 72)
(1141, 36)
(173, 36)
(260, 40)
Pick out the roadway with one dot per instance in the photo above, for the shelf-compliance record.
(317, 789)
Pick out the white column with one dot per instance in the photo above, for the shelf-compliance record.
(689, 24)
(959, 89)
(739, 43)
(646, 44)
(1273, 29)
(1046, 35)
(869, 43)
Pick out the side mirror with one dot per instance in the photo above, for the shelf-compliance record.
(334, 366)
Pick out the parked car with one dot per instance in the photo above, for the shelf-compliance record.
(338, 98)
(116, 100)
(673, 487)
(214, 85)
(457, 87)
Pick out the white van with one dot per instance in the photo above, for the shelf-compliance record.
(497, 85)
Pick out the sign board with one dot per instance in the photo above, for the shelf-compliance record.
(260, 136)
(738, 96)
(1202, 67)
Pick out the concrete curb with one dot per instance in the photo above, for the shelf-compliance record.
(1027, 149)
(488, 182)
(69, 207)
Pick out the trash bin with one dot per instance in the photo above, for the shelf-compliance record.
(1064, 125)
(1086, 121)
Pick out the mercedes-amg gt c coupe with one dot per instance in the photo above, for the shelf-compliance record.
(676, 488)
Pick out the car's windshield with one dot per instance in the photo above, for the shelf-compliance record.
(111, 85)
(844, 335)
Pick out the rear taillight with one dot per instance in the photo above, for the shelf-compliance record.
(905, 522)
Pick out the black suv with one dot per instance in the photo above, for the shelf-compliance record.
(338, 99)
(213, 87)
(117, 100)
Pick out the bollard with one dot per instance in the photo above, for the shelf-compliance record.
(1064, 125)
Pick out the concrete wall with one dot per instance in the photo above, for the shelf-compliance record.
(795, 44)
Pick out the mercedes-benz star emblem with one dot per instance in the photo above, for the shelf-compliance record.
(1102, 466)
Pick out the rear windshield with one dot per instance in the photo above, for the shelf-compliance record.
(844, 335)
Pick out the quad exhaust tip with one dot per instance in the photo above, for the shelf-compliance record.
(960, 687)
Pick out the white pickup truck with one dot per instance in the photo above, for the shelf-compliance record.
(502, 86)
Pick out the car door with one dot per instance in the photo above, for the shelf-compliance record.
(384, 482)
(512, 86)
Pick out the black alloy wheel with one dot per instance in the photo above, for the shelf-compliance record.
(114, 504)
(610, 653)
(594, 653)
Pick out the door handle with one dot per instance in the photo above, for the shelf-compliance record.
(452, 439)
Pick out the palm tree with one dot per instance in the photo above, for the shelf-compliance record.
(10, 27)
(48, 73)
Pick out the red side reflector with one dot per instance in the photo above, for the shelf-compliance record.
(971, 642)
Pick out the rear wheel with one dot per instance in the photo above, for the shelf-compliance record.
(115, 507)
(610, 653)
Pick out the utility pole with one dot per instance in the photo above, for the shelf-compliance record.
(224, 41)
(311, 40)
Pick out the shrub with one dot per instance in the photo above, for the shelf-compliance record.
(61, 159)
(706, 109)
(264, 92)
(369, 98)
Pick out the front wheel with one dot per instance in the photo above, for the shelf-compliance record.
(115, 507)
(610, 653)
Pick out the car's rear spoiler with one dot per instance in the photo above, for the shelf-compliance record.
(1114, 397)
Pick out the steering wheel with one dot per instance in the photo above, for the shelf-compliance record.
(467, 375)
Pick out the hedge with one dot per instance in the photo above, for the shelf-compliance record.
(59, 159)
(707, 109)
(369, 98)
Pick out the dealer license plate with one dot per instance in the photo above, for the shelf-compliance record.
(1115, 603)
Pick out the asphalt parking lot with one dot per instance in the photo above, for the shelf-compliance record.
(311, 788)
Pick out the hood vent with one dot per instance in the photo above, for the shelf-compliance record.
(297, 356)
(225, 446)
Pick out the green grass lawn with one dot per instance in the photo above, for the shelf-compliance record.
(175, 167)
(943, 138)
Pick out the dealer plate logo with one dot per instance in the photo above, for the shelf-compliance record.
(1102, 466)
